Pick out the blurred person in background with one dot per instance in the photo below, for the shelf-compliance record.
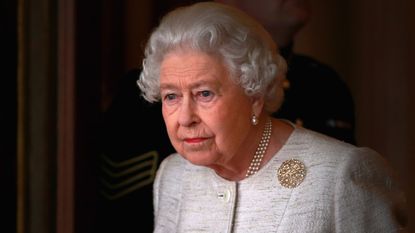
(315, 95)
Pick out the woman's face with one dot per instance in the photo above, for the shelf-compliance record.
(206, 114)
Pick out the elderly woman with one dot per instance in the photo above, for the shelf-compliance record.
(218, 75)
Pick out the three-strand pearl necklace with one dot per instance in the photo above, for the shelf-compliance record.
(261, 149)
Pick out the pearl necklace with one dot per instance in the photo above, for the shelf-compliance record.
(261, 149)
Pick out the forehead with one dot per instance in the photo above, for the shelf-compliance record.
(191, 66)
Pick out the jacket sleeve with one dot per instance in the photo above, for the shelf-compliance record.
(156, 188)
(167, 193)
(368, 197)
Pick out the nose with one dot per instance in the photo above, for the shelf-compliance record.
(188, 113)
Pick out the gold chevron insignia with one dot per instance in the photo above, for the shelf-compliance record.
(123, 177)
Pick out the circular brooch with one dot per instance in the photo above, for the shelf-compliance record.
(291, 173)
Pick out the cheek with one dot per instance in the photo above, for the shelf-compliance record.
(168, 120)
(228, 122)
(229, 135)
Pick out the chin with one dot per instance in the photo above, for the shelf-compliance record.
(199, 158)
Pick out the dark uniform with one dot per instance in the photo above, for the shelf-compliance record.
(317, 98)
(135, 139)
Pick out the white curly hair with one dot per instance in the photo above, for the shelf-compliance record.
(247, 50)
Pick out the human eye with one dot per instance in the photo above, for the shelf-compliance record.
(170, 98)
(205, 95)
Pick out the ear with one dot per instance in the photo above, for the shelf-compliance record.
(257, 104)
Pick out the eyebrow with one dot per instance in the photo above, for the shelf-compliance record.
(192, 86)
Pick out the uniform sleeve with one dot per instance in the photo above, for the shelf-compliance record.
(341, 124)
(368, 196)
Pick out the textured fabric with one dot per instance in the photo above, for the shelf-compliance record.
(346, 189)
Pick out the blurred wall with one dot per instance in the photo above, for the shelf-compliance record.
(371, 45)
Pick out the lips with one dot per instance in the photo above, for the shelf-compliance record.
(194, 140)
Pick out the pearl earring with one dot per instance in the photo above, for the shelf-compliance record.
(254, 120)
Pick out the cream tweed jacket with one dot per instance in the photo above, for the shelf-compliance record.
(346, 189)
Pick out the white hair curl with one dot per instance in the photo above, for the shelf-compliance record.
(247, 50)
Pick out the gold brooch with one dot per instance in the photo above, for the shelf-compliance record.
(291, 173)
